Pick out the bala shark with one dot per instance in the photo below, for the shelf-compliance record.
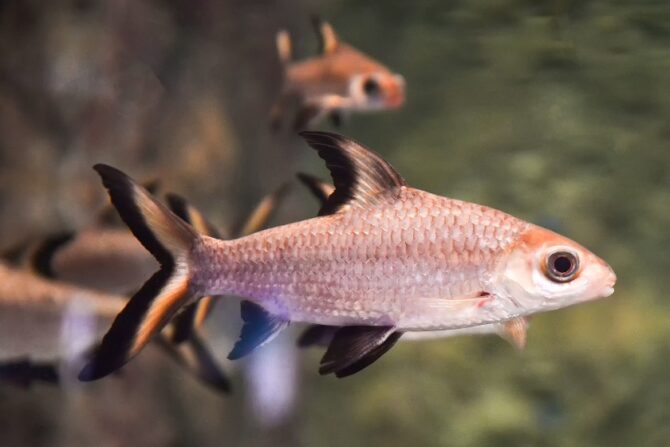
(340, 80)
(382, 259)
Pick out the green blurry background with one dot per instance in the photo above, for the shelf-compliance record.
(556, 111)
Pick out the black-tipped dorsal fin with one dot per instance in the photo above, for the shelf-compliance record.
(360, 176)
(190, 214)
(328, 42)
(259, 328)
(356, 347)
(284, 47)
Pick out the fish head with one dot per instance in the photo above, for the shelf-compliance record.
(546, 271)
(377, 90)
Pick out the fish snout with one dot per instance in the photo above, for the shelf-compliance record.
(395, 91)
(608, 282)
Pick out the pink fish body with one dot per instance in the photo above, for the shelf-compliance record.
(382, 259)
(415, 261)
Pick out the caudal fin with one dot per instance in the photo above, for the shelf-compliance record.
(169, 239)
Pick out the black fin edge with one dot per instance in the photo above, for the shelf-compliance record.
(354, 348)
(42, 257)
(120, 188)
(112, 353)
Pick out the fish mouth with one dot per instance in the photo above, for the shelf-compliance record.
(395, 100)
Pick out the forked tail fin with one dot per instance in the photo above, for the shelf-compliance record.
(169, 239)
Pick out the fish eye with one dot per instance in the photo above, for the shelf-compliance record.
(371, 87)
(562, 266)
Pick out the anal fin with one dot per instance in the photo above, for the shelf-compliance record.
(354, 348)
(259, 328)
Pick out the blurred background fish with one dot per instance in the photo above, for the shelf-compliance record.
(48, 329)
(339, 80)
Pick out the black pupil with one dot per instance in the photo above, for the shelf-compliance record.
(562, 264)
(370, 87)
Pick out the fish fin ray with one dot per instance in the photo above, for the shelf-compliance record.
(284, 47)
(356, 347)
(327, 39)
(259, 328)
(515, 331)
(360, 176)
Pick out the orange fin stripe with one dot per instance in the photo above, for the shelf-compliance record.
(173, 296)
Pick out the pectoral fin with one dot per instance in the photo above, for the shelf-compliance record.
(259, 328)
(515, 331)
(361, 177)
(356, 347)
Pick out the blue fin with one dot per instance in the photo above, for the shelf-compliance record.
(259, 328)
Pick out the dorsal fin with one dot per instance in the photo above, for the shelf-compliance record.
(360, 176)
(284, 47)
(327, 37)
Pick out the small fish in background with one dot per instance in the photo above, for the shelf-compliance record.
(101, 258)
(336, 82)
(382, 259)
(48, 326)
(514, 331)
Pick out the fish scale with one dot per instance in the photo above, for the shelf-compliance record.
(355, 266)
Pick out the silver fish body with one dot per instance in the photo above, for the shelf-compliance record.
(416, 261)
(382, 259)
